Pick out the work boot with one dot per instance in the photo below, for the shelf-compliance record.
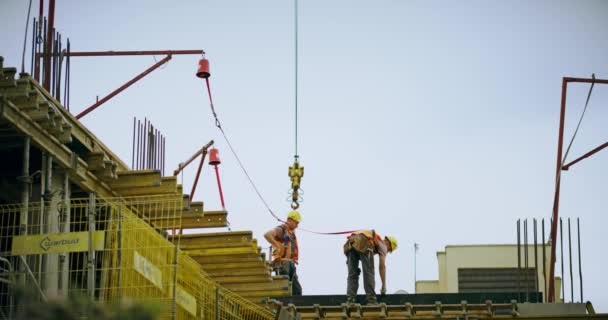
(351, 300)
(372, 301)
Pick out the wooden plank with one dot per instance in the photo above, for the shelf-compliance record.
(251, 249)
(265, 293)
(236, 265)
(136, 179)
(205, 240)
(243, 279)
(282, 285)
(238, 272)
(245, 257)
(168, 185)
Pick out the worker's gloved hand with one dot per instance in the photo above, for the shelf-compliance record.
(383, 291)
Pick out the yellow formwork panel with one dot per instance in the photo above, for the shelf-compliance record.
(107, 250)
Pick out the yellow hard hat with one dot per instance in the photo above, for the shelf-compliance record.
(295, 216)
(393, 242)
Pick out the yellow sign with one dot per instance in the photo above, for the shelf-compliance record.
(185, 300)
(56, 243)
(148, 269)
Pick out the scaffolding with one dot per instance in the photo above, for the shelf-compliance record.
(112, 250)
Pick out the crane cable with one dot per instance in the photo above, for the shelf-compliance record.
(219, 126)
(296, 171)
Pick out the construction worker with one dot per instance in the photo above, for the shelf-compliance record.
(285, 250)
(361, 246)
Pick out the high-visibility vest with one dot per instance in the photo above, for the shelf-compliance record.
(370, 235)
(289, 248)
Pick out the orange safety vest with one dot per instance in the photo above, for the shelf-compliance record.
(289, 249)
(372, 237)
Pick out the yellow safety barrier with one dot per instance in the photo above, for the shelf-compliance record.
(114, 251)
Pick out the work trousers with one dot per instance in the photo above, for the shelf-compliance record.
(369, 281)
(288, 268)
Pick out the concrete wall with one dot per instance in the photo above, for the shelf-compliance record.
(484, 256)
(427, 286)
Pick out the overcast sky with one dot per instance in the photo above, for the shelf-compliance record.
(432, 121)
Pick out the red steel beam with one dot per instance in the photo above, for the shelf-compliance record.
(586, 155)
(560, 144)
(48, 46)
(132, 53)
(123, 87)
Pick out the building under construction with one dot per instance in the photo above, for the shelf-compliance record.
(76, 219)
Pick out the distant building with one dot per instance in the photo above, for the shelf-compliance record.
(491, 268)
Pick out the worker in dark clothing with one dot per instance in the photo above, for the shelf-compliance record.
(362, 246)
(285, 250)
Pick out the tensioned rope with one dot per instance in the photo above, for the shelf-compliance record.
(580, 120)
(255, 188)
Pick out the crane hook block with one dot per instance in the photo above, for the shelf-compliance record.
(296, 172)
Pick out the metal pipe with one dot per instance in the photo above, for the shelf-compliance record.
(526, 260)
(139, 144)
(561, 239)
(198, 174)
(91, 252)
(133, 146)
(26, 180)
(565, 82)
(219, 187)
(119, 252)
(47, 58)
(217, 303)
(518, 260)
(43, 49)
(65, 227)
(570, 254)
(66, 98)
(25, 195)
(31, 274)
(123, 87)
(152, 146)
(33, 47)
(181, 166)
(146, 141)
(134, 53)
(560, 145)
(535, 257)
(580, 267)
(586, 155)
(8, 289)
(175, 263)
(585, 80)
(544, 263)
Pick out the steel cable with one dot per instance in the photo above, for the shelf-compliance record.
(242, 166)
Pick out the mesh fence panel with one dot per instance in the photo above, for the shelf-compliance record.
(114, 251)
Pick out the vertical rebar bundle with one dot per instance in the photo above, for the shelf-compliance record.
(148, 147)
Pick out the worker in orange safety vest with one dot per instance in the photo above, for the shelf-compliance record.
(361, 246)
(285, 250)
